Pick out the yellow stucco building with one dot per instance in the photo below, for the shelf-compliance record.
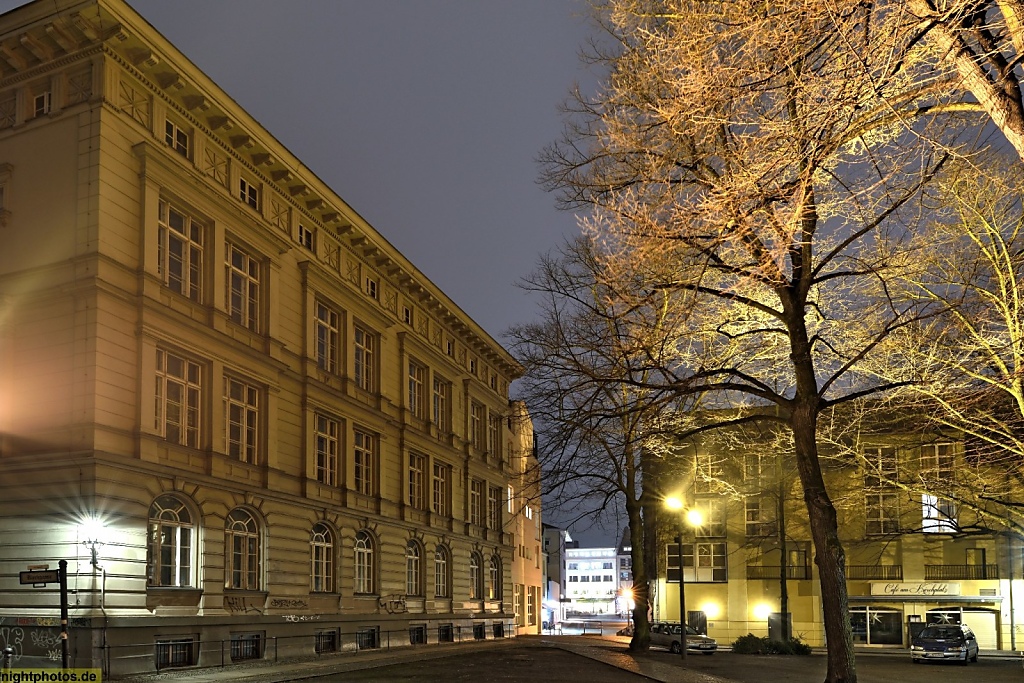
(249, 425)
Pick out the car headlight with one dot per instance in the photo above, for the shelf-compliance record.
(915, 647)
(956, 648)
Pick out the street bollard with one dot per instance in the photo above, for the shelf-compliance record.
(8, 656)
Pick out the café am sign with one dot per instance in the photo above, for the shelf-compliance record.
(916, 590)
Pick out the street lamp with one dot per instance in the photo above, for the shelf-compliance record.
(694, 518)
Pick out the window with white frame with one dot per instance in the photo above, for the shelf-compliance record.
(327, 437)
(417, 481)
(242, 544)
(241, 410)
(327, 322)
(171, 533)
(180, 251)
(494, 578)
(881, 498)
(365, 359)
(494, 436)
(476, 502)
(321, 552)
(476, 578)
(249, 193)
(42, 103)
(417, 389)
(477, 425)
(443, 489)
(364, 457)
(517, 600)
(442, 572)
(712, 512)
(243, 272)
(759, 515)
(407, 315)
(305, 237)
(178, 398)
(442, 404)
(370, 286)
(365, 565)
(176, 137)
(413, 569)
(938, 514)
(709, 473)
(704, 562)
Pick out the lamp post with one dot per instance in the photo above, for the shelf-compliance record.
(694, 518)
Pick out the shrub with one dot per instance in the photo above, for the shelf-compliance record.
(752, 645)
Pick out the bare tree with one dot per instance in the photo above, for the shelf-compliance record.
(585, 361)
(748, 167)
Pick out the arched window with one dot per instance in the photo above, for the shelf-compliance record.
(413, 569)
(494, 578)
(442, 582)
(364, 563)
(321, 553)
(476, 583)
(242, 551)
(171, 542)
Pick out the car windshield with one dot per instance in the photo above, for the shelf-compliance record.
(941, 633)
(690, 631)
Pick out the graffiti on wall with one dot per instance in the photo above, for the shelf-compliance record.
(393, 604)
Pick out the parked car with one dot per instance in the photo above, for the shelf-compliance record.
(666, 634)
(945, 642)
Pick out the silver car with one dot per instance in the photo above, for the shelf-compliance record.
(666, 634)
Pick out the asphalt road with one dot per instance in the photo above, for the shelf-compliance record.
(528, 663)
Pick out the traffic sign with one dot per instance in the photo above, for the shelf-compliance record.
(40, 578)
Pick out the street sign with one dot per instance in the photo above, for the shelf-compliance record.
(40, 578)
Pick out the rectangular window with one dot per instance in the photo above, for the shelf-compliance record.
(41, 103)
(476, 502)
(702, 562)
(417, 386)
(713, 517)
(442, 489)
(241, 408)
(407, 315)
(365, 359)
(175, 652)
(417, 481)
(477, 425)
(531, 605)
(180, 252)
(304, 236)
(364, 456)
(709, 473)
(494, 436)
(327, 439)
(246, 646)
(176, 138)
(938, 515)
(370, 286)
(325, 641)
(243, 288)
(880, 467)
(517, 600)
(327, 324)
(249, 193)
(881, 512)
(442, 404)
(494, 507)
(760, 517)
(178, 397)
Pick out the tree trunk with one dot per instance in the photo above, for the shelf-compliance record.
(828, 550)
(780, 521)
(641, 640)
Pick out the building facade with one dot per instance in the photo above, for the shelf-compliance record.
(907, 561)
(525, 510)
(591, 578)
(230, 405)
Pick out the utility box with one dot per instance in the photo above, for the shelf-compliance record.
(775, 625)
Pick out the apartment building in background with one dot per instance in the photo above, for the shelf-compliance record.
(249, 425)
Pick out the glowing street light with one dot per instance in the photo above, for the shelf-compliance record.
(695, 519)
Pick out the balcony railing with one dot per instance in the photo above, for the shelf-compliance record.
(770, 572)
(960, 572)
(880, 572)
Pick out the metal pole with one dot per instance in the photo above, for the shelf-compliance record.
(682, 599)
(62, 572)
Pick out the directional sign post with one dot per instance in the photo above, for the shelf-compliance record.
(41, 577)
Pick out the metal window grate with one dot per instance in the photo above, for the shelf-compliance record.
(246, 646)
(175, 653)
(366, 639)
(417, 635)
(325, 641)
